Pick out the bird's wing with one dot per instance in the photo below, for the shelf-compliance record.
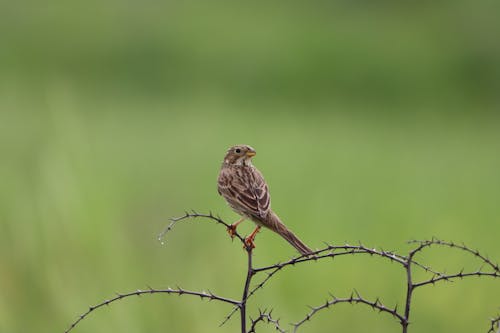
(245, 190)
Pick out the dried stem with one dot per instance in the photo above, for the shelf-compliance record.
(329, 251)
(192, 215)
(244, 297)
(179, 291)
(265, 317)
(355, 298)
(450, 277)
(463, 247)
(409, 292)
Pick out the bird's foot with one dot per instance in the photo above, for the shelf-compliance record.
(249, 244)
(231, 230)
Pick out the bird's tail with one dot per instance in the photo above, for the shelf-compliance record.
(274, 223)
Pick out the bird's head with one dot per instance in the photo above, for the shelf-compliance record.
(239, 155)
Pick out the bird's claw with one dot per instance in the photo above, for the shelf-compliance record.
(249, 244)
(231, 230)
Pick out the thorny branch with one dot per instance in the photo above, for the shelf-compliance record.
(179, 291)
(450, 277)
(329, 251)
(438, 242)
(267, 318)
(194, 214)
(355, 298)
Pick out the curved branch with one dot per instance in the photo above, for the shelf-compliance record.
(330, 249)
(320, 254)
(179, 291)
(193, 215)
(434, 241)
(354, 298)
(450, 277)
(267, 318)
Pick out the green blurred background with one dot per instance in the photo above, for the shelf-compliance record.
(373, 121)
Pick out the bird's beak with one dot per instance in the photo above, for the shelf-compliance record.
(251, 153)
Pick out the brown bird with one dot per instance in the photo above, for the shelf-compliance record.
(246, 191)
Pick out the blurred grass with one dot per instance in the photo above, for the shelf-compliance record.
(372, 122)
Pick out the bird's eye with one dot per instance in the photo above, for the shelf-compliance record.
(237, 150)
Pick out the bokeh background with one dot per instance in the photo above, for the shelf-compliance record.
(373, 121)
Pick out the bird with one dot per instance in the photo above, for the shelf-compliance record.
(243, 187)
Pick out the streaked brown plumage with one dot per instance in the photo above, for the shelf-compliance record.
(247, 193)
